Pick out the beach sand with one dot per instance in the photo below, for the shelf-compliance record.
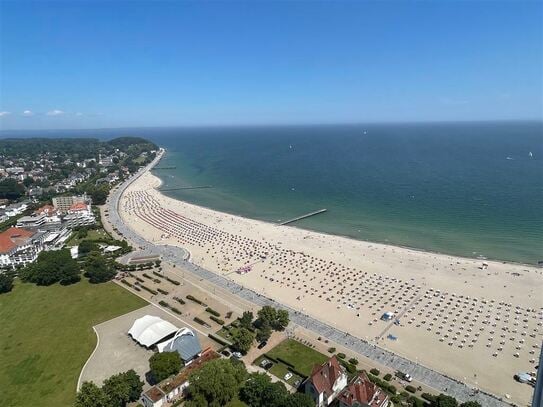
(478, 324)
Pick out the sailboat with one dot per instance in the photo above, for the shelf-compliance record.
(530, 154)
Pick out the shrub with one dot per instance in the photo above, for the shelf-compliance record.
(213, 312)
(392, 389)
(375, 372)
(201, 322)
(163, 303)
(161, 291)
(341, 355)
(428, 397)
(387, 377)
(149, 289)
(176, 310)
(217, 320)
(353, 361)
(174, 282)
(410, 389)
(126, 282)
(194, 299)
(228, 315)
(179, 300)
(331, 350)
(219, 339)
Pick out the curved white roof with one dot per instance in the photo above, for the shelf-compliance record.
(149, 330)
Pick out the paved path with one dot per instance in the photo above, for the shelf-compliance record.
(177, 255)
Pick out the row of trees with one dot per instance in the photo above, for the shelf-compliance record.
(444, 400)
(117, 391)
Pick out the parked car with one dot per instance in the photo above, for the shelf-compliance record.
(226, 353)
(265, 364)
(404, 376)
(262, 344)
(237, 355)
(287, 376)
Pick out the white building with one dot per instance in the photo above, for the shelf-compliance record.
(150, 330)
(63, 203)
(19, 247)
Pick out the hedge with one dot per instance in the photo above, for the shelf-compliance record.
(213, 312)
(176, 310)
(285, 362)
(158, 274)
(141, 280)
(161, 291)
(341, 355)
(149, 289)
(331, 350)
(375, 372)
(220, 339)
(201, 322)
(428, 397)
(164, 304)
(217, 320)
(126, 282)
(179, 300)
(353, 361)
(387, 377)
(194, 299)
(171, 280)
(147, 276)
(410, 388)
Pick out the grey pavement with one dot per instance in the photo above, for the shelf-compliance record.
(423, 374)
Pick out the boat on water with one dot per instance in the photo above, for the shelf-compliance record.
(530, 154)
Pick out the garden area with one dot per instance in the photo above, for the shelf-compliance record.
(47, 336)
(293, 357)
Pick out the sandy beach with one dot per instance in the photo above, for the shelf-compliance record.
(478, 321)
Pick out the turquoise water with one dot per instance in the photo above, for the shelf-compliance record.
(464, 189)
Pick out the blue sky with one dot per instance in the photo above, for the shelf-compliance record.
(86, 64)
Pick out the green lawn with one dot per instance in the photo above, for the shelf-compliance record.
(302, 357)
(46, 337)
(94, 234)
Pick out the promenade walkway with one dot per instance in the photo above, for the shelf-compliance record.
(177, 255)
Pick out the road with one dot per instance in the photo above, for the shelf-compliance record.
(179, 256)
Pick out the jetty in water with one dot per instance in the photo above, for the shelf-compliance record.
(165, 168)
(178, 188)
(307, 215)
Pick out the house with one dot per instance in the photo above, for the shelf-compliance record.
(16, 209)
(361, 392)
(326, 382)
(31, 222)
(172, 388)
(185, 342)
(19, 247)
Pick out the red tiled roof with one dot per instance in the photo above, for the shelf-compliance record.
(78, 206)
(362, 391)
(324, 376)
(13, 237)
(46, 209)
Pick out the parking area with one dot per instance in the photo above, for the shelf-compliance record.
(117, 352)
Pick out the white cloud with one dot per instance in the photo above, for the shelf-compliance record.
(79, 114)
(28, 113)
(55, 112)
(2, 114)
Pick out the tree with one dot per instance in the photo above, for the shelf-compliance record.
(282, 320)
(52, 267)
(86, 246)
(259, 391)
(470, 404)
(444, 401)
(243, 339)
(134, 383)
(98, 269)
(216, 382)
(276, 319)
(99, 194)
(246, 320)
(264, 333)
(164, 364)
(122, 388)
(298, 400)
(90, 395)
(6, 280)
(11, 189)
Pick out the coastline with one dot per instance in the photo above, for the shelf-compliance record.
(366, 241)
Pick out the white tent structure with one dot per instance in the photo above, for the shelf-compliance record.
(149, 330)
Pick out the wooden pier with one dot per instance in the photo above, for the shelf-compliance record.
(178, 188)
(307, 215)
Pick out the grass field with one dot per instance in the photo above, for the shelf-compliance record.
(46, 337)
(94, 234)
(302, 357)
